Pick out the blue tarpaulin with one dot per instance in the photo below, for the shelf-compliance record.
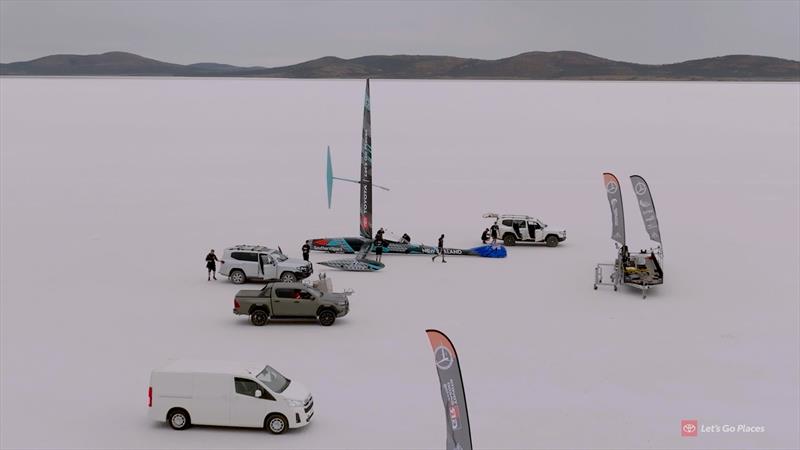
(491, 252)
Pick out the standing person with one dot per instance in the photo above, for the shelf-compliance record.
(211, 264)
(306, 249)
(379, 234)
(494, 235)
(441, 250)
(379, 247)
(485, 236)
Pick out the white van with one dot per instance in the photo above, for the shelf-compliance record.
(187, 392)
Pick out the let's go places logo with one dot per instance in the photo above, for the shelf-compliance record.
(691, 428)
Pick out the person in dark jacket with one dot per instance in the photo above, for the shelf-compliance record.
(305, 249)
(211, 264)
(440, 250)
(485, 236)
(494, 235)
(379, 248)
(379, 234)
(406, 238)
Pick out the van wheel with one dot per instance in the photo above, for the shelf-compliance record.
(551, 241)
(179, 419)
(276, 424)
(237, 277)
(259, 317)
(326, 318)
(288, 277)
(510, 240)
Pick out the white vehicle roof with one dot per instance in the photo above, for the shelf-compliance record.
(209, 366)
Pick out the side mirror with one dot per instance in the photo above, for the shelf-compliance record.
(258, 393)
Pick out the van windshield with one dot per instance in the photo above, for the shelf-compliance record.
(273, 379)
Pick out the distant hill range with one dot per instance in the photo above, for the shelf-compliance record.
(562, 65)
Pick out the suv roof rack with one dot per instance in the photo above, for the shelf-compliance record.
(250, 248)
(516, 216)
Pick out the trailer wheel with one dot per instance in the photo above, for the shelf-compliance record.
(509, 240)
(178, 419)
(276, 423)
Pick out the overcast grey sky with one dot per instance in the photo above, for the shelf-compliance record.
(279, 33)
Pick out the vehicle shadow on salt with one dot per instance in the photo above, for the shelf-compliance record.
(245, 322)
(159, 426)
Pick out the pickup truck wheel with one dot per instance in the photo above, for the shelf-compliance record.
(510, 240)
(551, 241)
(178, 419)
(237, 277)
(276, 424)
(259, 317)
(288, 277)
(326, 318)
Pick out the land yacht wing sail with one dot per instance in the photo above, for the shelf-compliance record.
(365, 196)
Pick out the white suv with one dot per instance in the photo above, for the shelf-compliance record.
(516, 228)
(255, 262)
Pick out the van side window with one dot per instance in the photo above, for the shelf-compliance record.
(249, 388)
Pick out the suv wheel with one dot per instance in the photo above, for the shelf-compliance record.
(178, 419)
(237, 277)
(276, 424)
(327, 317)
(288, 277)
(259, 317)
(551, 241)
(510, 240)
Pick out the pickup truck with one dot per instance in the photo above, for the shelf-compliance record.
(282, 300)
